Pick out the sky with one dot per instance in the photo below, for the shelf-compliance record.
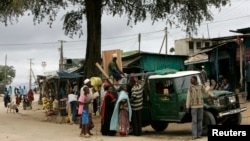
(25, 46)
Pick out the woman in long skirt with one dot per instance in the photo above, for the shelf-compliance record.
(107, 109)
(123, 118)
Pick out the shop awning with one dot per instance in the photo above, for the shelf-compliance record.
(199, 58)
(68, 74)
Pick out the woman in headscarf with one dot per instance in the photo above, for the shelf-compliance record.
(122, 114)
(107, 109)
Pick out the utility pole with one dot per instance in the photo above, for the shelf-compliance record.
(139, 40)
(166, 39)
(166, 42)
(208, 32)
(162, 43)
(34, 77)
(5, 70)
(43, 65)
(30, 79)
(61, 56)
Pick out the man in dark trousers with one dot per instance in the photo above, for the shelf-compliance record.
(6, 97)
(137, 105)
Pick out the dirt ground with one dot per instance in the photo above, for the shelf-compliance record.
(30, 125)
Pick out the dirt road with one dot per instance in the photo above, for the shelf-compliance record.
(30, 125)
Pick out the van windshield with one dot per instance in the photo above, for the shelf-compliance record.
(183, 83)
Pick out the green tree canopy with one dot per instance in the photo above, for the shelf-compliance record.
(7, 74)
(187, 14)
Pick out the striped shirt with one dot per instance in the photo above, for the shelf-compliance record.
(137, 96)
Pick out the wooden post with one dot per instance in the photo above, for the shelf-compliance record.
(103, 72)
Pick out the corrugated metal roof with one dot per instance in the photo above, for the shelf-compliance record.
(174, 75)
(127, 62)
(129, 53)
(243, 30)
(230, 38)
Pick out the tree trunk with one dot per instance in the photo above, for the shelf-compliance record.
(93, 50)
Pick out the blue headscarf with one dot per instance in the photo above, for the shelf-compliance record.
(114, 119)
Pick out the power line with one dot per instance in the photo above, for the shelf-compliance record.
(228, 19)
(213, 22)
(27, 44)
(124, 36)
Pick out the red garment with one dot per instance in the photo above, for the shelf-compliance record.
(104, 104)
(30, 95)
(18, 100)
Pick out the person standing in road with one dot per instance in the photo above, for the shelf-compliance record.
(6, 97)
(30, 96)
(91, 95)
(136, 102)
(21, 91)
(10, 90)
(107, 109)
(15, 90)
(24, 90)
(72, 100)
(84, 111)
(122, 113)
(195, 102)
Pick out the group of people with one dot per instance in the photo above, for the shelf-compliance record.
(223, 84)
(25, 96)
(120, 108)
(82, 106)
(115, 103)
